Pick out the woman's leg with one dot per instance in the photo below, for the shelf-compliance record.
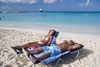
(26, 45)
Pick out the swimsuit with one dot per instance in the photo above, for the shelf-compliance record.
(34, 48)
(53, 50)
(40, 42)
(44, 39)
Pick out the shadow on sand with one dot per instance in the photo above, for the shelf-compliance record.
(71, 58)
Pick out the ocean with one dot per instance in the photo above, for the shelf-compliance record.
(81, 22)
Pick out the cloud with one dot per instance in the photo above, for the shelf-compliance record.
(28, 1)
(5, 7)
(49, 1)
(87, 3)
(20, 1)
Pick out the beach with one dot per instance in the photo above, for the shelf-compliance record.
(25, 22)
(89, 55)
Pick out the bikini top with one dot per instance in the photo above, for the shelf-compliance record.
(45, 38)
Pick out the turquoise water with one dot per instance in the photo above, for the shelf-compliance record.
(67, 21)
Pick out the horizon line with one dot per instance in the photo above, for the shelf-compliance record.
(50, 11)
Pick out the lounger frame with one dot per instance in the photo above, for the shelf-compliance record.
(61, 60)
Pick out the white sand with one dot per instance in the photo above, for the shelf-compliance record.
(89, 55)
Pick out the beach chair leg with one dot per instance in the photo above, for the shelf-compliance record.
(49, 65)
(59, 61)
(77, 55)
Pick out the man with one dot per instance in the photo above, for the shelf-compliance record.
(54, 50)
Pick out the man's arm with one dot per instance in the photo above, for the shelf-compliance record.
(75, 46)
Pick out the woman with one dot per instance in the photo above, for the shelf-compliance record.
(45, 41)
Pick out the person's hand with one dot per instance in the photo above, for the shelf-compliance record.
(70, 42)
(65, 41)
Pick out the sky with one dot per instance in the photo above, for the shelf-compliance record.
(50, 5)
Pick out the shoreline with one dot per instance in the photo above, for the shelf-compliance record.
(45, 31)
(72, 35)
(71, 29)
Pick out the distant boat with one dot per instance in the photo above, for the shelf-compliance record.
(41, 10)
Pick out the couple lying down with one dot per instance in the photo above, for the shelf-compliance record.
(50, 50)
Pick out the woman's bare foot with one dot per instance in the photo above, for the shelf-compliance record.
(13, 48)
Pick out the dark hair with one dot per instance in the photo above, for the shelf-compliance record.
(54, 31)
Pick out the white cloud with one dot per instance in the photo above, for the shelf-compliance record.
(5, 7)
(87, 3)
(49, 1)
(20, 1)
(28, 1)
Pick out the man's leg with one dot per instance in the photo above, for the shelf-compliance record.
(37, 51)
(44, 56)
